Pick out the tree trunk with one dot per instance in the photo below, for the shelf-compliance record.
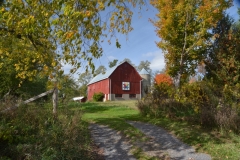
(183, 52)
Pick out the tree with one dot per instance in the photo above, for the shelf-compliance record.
(83, 90)
(17, 68)
(185, 31)
(145, 65)
(57, 30)
(68, 87)
(153, 75)
(222, 60)
(101, 69)
(53, 31)
(129, 61)
(163, 78)
(84, 79)
(29, 89)
(112, 63)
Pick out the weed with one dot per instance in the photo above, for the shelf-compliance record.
(33, 133)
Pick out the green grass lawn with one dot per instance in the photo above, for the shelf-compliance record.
(114, 114)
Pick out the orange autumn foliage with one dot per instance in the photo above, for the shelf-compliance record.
(163, 78)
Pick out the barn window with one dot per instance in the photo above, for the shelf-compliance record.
(132, 95)
(118, 95)
(126, 86)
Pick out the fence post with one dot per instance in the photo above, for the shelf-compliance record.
(55, 98)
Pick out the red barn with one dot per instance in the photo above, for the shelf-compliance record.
(120, 82)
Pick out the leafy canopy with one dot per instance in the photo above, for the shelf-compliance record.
(184, 27)
(50, 32)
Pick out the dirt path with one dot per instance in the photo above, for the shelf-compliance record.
(162, 144)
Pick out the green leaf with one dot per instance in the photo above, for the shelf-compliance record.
(118, 44)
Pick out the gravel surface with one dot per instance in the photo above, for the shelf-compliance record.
(114, 146)
(161, 144)
(176, 149)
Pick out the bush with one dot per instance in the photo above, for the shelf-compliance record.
(227, 118)
(98, 97)
(203, 103)
(156, 103)
(148, 107)
(200, 95)
(33, 133)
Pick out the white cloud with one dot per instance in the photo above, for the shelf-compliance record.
(157, 63)
(150, 54)
(110, 58)
(156, 59)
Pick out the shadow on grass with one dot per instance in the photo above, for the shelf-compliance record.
(94, 109)
(120, 124)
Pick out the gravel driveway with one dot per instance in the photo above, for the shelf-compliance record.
(114, 144)
(176, 149)
(116, 147)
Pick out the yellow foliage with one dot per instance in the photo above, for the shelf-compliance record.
(34, 32)
(184, 26)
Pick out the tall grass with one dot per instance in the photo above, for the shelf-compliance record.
(31, 132)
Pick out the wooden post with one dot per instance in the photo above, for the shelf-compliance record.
(55, 98)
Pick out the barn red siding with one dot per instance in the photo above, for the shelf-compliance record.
(101, 86)
(125, 73)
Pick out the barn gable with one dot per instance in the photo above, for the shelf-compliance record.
(119, 82)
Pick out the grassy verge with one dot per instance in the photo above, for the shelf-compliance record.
(218, 145)
(32, 132)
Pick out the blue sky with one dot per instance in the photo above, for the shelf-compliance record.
(139, 45)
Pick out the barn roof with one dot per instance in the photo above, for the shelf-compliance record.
(108, 73)
(101, 76)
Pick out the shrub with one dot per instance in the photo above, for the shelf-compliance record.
(33, 133)
(156, 103)
(200, 95)
(203, 103)
(213, 105)
(227, 118)
(98, 96)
